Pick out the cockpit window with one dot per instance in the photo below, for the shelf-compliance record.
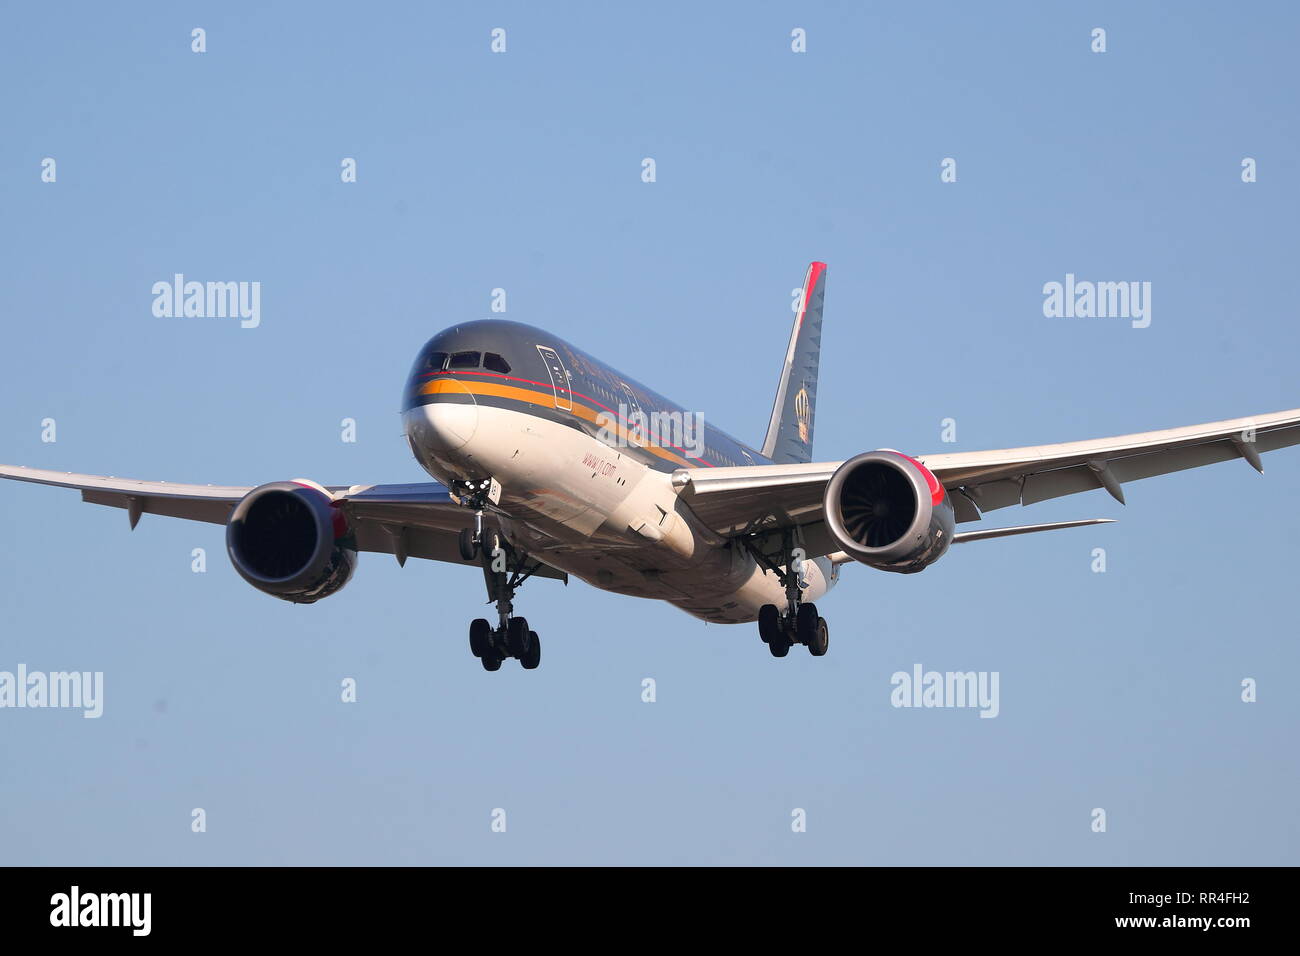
(435, 361)
(495, 363)
(463, 360)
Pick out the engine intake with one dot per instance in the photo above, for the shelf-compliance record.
(288, 539)
(888, 511)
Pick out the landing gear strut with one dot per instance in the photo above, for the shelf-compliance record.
(473, 495)
(800, 622)
(512, 636)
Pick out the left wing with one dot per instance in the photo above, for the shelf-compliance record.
(997, 479)
(743, 500)
(416, 520)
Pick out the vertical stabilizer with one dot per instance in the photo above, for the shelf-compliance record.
(790, 430)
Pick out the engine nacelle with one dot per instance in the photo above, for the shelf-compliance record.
(888, 511)
(289, 539)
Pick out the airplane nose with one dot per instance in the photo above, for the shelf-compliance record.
(448, 424)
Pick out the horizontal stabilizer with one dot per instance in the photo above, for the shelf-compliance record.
(1025, 529)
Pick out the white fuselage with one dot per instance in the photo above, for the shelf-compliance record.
(598, 513)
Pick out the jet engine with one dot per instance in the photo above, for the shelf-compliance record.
(888, 511)
(290, 539)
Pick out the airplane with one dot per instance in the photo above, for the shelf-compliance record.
(550, 463)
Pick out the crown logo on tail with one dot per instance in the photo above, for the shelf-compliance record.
(801, 409)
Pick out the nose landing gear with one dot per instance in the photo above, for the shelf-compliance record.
(476, 495)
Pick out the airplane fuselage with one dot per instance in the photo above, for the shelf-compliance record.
(584, 456)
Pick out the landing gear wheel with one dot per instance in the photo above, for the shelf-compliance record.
(769, 623)
(779, 646)
(468, 546)
(805, 624)
(821, 639)
(533, 656)
(480, 637)
(518, 637)
(490, 662)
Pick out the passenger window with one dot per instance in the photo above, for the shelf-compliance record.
(495, 363)
(435, 361)
(463, 360)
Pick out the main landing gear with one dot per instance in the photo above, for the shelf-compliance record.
(504, 571)
(513, 639)
(800, 624)
(808, 629)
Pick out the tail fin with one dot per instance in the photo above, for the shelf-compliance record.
(790, 430)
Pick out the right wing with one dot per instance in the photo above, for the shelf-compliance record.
(416, 520)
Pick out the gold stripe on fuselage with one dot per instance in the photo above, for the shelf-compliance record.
(528, 396)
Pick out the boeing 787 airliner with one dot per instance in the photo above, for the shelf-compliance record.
(546, 467)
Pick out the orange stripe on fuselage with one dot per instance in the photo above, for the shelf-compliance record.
(444, 386)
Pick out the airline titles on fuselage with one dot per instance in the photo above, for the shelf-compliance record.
(599, 465)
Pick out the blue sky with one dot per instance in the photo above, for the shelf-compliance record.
(522, 171)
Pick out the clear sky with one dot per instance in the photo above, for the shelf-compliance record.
(1119, 690)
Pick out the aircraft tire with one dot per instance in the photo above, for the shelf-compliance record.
(805, 624)
(480, 637)
(468, 546)
(518, 637)
(533, 656)
(821, 641)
